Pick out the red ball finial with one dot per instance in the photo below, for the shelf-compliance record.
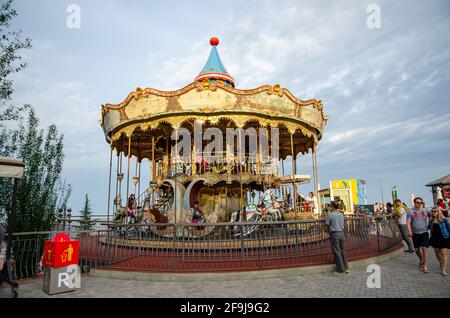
(214, 41)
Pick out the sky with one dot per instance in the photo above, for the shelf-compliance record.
(386, 90)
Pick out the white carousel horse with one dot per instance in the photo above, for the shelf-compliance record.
(268, 208)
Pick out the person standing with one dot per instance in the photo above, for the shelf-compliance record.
(314, 205)
(417, 223)
(335, 221)
(400, 213)
(341, 205)
(444, 207)
(440, 237)
(389, 208)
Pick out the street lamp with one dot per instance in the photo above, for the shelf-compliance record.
(65, 210)
(69, 215)
(59, 216)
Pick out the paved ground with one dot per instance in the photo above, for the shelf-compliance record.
(400, 277)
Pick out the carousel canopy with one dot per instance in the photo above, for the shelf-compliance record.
(214, 69)
(212, 100)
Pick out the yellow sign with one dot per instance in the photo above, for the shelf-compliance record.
(347, 184)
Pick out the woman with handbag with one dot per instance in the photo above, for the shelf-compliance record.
(440, 237)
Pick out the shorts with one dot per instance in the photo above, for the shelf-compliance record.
(421, 240)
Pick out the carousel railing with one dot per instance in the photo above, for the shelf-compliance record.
(28, 248)
(225, 247)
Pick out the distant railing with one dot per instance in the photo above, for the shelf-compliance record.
(212, 247)
(219, 162)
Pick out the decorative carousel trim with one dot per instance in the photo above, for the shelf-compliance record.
(200, 86)
(239, 119)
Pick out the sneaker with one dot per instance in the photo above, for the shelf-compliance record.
(347, 271)
(411, 251)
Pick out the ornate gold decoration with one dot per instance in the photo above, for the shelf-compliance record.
(206, 84)
(211, 178)
(181, 178)
(246, 178)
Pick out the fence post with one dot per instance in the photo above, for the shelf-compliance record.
(174, 251)
(140, 241)
(286, 235)
(377, 225)
(258, 232)
(109, 247)
(38, 248)
(242, 243)
(297, 246)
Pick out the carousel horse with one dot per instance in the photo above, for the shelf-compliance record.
(268, 209)
(152, 212)
(131, 214)
(194, 231)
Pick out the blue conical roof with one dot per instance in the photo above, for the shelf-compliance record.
(214, 68)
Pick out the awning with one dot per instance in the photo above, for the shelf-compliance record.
(11, 167)
(441, 181)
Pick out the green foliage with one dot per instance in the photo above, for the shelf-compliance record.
(86, 213)
(11, 43)
(41, 192)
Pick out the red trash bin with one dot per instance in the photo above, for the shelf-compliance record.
(61, 251)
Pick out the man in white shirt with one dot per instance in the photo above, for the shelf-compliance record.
(400, 213)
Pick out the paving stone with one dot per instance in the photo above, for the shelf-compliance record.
(400, 277)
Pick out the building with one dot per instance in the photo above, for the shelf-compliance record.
(440, 188)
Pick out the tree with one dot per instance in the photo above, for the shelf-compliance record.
(11, 43)
(41, 192)
(86, 213)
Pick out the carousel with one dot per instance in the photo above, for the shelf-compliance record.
(213, 153)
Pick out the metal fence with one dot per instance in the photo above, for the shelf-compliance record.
(212, 247)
